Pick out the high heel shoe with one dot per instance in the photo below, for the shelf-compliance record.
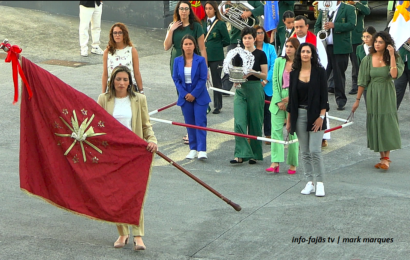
(138, 247)
(273, 169)
(385, 166)
(118, 244)
(291, 171)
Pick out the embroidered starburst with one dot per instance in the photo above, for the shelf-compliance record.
(104, 143)
(56, 125)
(84, 111)
(65, 111)
(101, 124)
(95, 159)
(75, 159)
(80, 133)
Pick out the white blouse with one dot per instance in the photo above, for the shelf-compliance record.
(187, 72)
(121, 57)
(122, 111)
(366, 48)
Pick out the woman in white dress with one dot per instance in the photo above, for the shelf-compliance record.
(121, 51)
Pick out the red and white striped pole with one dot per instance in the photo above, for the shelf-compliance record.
(224, 132)
(338, 127)
(230, 92)
(162, 108)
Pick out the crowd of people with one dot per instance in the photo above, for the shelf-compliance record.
(287, 88)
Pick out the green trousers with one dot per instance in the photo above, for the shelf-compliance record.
(248, 116)
(278, 150)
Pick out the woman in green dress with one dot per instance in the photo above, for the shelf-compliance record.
(376, 74)
(185, 22)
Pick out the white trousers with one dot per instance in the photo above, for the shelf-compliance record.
(87, 15)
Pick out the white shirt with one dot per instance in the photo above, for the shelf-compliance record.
(212, 21)
(366, 48)
(187, 72)
(329, 39)
(122, 111)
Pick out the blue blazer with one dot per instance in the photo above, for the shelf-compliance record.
(270, 52)
(199, 72)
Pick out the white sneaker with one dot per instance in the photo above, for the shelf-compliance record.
(309, 188)
(84, 52)
(97, 50)
(320, 189)
(202, 155)
(191, 155)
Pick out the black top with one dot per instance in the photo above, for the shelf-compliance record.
(316, 97)
(90, 3)
(303, 90)
(260, 59)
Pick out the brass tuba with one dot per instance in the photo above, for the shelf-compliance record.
(234, 13)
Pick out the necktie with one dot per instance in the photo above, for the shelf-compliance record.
(209, 22)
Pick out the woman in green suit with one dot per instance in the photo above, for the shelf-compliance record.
(216, 37)
(280, 98)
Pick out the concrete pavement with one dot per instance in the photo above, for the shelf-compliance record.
(183, 220)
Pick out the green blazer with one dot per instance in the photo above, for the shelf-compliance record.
(360, 53)
(403, 53)
(281, 37)
(277, 82)
(283, 7)
(342, 32)
(362, 9)
(217, 39)
(257, 11)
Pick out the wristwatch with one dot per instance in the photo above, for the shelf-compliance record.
(323, 117)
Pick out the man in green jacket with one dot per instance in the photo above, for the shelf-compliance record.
(401, 83)
(235, 34)
(341, 23)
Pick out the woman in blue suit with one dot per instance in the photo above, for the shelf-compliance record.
(189, 73)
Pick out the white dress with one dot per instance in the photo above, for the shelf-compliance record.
(121, 57)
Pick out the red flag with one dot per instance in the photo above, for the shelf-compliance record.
(105, 173)
(198, 9)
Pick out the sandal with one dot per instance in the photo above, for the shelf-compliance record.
(385, 166)
(186, 140)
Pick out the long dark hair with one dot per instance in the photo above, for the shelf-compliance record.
(265, 37)
(126, 38)
(214, 5)
(189, 37)
(192, 16)
(314, 61)
(111, 87)
(388, 41)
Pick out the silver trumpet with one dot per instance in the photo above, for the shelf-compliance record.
(233, 15)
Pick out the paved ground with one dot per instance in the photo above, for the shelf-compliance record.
(183, 220)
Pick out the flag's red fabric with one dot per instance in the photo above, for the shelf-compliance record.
(198, 9)
(108, 186)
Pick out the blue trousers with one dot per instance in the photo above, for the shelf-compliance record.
(195, 114)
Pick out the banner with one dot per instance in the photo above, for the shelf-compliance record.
(271, 15)
(400, 24)
(76, 156)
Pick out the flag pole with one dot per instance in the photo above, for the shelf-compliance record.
(179, 167)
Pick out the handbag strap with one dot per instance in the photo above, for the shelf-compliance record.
(210, 29)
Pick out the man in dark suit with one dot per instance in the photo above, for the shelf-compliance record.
(339, 45)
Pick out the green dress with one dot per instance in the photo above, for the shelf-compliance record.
(177, 37)
(382, 126)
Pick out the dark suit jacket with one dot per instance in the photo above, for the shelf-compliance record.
(217, 39)
(345, 22)
(90, 3)
(317, 98)
(362, 9)
(199, 72)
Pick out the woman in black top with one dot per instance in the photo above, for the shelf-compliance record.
(306, 113)
(249, 102)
